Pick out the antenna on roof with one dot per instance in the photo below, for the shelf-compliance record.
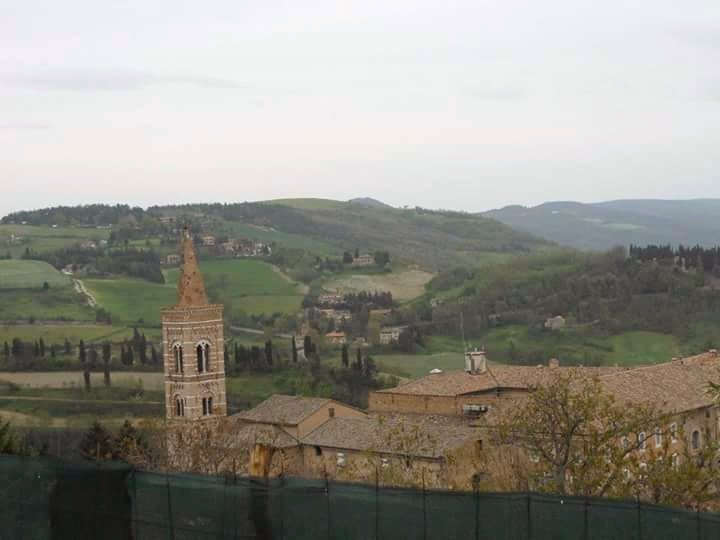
(462, 330)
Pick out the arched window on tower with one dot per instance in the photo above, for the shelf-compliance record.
(179, 406)
(207, 405)
(203, 356)
(178, 355)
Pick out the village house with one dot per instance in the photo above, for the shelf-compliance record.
(470, 393)
(364, 260)
(229, 247)
(168, 220)
(330, 299)
(555, 323)
(336, 338)
(208, 240)
(172, 260)
(339, 316)
(390, 335)
(88, 244)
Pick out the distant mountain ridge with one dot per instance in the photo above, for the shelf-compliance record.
(621, 222)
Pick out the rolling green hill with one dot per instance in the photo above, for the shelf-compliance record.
(431, 239)
(618, 223)
(30, 275)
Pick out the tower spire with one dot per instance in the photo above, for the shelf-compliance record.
(190, 288)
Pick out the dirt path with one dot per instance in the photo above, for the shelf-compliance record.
(302, 288)
(80, 288)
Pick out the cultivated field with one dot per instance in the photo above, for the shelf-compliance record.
(57, 333)
(251, 286)
(404, 285)
(21, 274)
(418, 365)
(70, 379)
(44, 238)
(56, 303)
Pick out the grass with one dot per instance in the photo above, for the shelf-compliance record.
(282, 239)
(20, 274)
(131, 300)
(404, 285)
(57, 333)
(418, 365)
(251, 286)
(56, 303)
(42, 239)
(74, 379)
(630, 348)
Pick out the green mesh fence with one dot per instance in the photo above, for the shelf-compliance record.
(46, 499)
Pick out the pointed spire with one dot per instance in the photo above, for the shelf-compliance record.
(190, 288)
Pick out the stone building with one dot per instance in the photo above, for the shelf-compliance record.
(390, 335)
(192, 333)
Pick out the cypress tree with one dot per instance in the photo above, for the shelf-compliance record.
(294, 350)
(345, 355)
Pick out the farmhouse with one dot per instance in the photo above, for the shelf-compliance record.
(208, 240)
(337, 338)
(172, 259)
(339, 316)
(364, 260)
(555, 323)
(391, 334)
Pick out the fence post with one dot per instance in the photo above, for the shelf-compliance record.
(377, 503)
(134, 504)
(529, 517)
(169, 507)
(424, 506)
(327, 496)
(477, 511)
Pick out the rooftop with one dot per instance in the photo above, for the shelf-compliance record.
(283, 410)
(425, 437)
(456, 383)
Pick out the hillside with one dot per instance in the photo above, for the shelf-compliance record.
(604, 225)
(430, 239)
(616, 309)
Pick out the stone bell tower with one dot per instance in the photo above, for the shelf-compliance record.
(193, 347)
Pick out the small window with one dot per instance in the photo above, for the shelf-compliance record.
(207, 405)
(673, 432)
(658, 438)
(202, 351)
(318, 451)
(695, 440)
(178, 355)
(331, 412)
(641, 440)
(179, 407)
(675, 461)
(478, 447)
(625, 442)
(707, 413)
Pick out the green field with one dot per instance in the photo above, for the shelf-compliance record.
(44, 238)
(251, 286)
(630, 348)
(20, 274)
(404, 284)
(132, 300)
(57, 333)
(53, 304)
(418, 365)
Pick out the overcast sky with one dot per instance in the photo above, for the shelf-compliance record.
(455, 104)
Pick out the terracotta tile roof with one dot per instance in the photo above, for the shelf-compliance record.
(283, 410)
(497, 376)
(246, 435)
(391, 435)
(677, 386)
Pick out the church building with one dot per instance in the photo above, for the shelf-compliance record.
(192, 333)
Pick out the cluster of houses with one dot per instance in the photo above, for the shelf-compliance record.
(435, 430)
(234, 247)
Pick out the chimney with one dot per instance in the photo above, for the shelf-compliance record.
(554, 363)
(475, 362)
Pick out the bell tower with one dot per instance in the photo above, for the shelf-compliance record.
(193, 356)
